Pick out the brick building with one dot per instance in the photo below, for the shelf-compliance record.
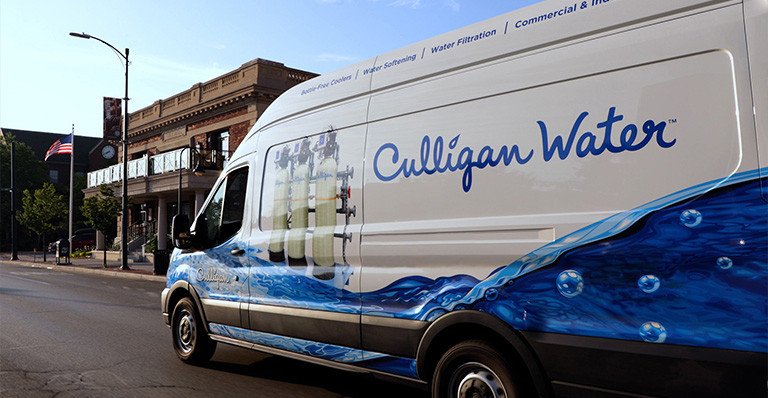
(200, 126)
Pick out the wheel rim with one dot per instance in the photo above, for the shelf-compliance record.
(475, 380)
(186, 332)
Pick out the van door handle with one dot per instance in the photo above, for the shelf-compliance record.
(237, 252)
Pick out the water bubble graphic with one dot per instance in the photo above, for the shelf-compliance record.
(724, 262)
(690, 218)
(570, 283)
(491, 294)
(649, 283)
(653, 332)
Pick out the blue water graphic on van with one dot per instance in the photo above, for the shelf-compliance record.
(688, 269)
(353, 356)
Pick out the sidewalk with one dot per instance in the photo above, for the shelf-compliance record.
(85, 265)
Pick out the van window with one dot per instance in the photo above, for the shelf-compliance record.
(223, 216)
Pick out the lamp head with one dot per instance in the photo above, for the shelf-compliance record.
(80, 35)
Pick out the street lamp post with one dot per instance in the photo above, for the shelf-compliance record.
(12, 191)
(14, 221)
(124, 212)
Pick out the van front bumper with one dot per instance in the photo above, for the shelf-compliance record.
(164, 306)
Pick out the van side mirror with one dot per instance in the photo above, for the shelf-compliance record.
(182, 238)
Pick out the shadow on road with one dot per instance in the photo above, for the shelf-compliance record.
(346, 384)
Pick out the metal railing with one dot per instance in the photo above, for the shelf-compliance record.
(157, 164)
(145, 229)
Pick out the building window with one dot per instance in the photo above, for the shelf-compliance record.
(224, 145)
(138, 155)
(54, 176)
(217, 142)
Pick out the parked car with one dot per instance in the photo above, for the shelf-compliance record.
(83, 239)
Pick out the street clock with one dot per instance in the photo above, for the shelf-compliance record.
(108, 152)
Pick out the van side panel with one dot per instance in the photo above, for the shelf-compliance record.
(756, 21)
(593, 189)
(539, 27)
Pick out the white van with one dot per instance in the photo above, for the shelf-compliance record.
(566, 200)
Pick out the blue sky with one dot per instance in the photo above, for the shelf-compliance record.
(50, 80)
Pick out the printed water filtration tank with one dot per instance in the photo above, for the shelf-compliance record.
(325, 210)
(280, 218)
(299, 208)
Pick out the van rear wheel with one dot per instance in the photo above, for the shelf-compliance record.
(190, 340)
(473, 369)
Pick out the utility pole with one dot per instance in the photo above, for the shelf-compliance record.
(14, 237)
(1, 206)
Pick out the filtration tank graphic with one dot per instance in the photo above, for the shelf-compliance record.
(325, 207)
(297, 186)
(299, 205)
(326, 195)
(344, 194)
(280, 219)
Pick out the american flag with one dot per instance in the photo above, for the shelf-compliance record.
(61, 146)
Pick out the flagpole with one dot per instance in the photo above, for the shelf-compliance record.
(71, 187)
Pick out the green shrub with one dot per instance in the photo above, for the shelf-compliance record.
(81, 254)
(151, 245)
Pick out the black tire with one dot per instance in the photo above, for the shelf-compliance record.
(474, 369)
(190, 340)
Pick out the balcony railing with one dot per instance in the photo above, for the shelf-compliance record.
(158, 164)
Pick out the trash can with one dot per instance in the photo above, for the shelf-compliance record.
(62, 251)
(162, 259)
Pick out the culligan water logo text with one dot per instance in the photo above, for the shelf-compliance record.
(437, 157)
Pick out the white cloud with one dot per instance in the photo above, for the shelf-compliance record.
(453, 5)
(406, 3)
(330, 57)
(152, 67)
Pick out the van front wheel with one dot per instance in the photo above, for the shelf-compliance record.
(190, 341)
(473, 369)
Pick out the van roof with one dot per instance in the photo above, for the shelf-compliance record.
(536, 27)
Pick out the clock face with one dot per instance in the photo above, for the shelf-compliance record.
(108, 151)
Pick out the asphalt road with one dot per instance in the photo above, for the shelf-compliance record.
(74, 335)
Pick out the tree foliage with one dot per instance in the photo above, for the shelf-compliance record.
(101, 211)
(30, 174)
(43, 211)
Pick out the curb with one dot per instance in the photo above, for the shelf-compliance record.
(91, 271)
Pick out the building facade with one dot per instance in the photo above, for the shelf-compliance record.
(196, 129)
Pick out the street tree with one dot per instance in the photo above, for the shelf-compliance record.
(101, 212)
(43, 212)
(30, 174)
